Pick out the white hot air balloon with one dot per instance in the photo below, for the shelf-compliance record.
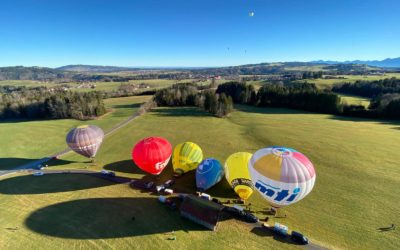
(283, 176)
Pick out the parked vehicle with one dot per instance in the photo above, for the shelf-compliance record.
(149, 185)
(239, 213)
(281, 229)
(249, 217)
(299, 238)
(160, 188)
(108, 173)
(169, 183)
(168, 191)
(38, 173)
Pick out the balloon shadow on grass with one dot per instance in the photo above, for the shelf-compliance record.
(184, 184)
(50, 183)
(125, 166)
(108, 218)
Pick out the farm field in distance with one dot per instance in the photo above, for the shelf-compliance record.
(326, 83)
(355, 160)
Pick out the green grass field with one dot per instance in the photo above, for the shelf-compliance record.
(355, 100)
(355, 194)
(24, 141)
(102, 86)
(326, 83)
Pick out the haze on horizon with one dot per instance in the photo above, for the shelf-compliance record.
(195, 33)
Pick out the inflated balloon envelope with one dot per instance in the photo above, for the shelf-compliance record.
(237, 174)
(282, 175)
(186, 157)
(85, 140)
(208, 173)
(152, 154)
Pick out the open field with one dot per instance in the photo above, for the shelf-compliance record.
(103, 86)
(355, 194)
(326, 83)
(82, 212)
(24, 141)
(355, 100)
(27, 83)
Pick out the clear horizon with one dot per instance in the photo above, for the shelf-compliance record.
(206, 33)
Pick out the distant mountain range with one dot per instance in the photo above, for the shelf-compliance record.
(105, 69)
(386, 63)
(94, 68)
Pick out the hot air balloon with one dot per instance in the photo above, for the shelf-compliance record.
(208, 173)
(187, 156)
(282, 175)
(152, 154)
(251, 13)
(85, 140)
(237, 174)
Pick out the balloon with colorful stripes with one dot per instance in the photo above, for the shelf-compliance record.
(282, 175)
(186, 157)
(85, 140)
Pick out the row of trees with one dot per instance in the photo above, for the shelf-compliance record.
(239, 92)
(305, 96)
(369, 88)
(188, 94)
(298, 97)
(42, 103)
(312, 75)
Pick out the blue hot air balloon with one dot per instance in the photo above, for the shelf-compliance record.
(208, 173)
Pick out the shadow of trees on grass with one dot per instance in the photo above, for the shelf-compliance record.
(50, 183)
(8, 163)
(100, 218)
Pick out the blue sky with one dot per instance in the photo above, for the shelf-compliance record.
(195, 32)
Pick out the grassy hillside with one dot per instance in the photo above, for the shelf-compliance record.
(355, 194)
(23, 141)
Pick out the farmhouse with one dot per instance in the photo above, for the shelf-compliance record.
(201, 211)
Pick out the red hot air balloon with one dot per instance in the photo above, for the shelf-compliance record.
(152, 154)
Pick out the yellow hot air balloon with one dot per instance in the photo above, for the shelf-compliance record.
(238, 175)
(187, 156)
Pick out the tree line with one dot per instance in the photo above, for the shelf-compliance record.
(189, 94)
(306, 96)
(369, 89)
(57, 104)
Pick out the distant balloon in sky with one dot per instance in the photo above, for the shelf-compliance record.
(251, 13)
(85, 140)
(282, 175)
(152, 154)
(237, 174)
(208, 173)
(186, 157)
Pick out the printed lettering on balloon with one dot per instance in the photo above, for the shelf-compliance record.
(277, 194)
